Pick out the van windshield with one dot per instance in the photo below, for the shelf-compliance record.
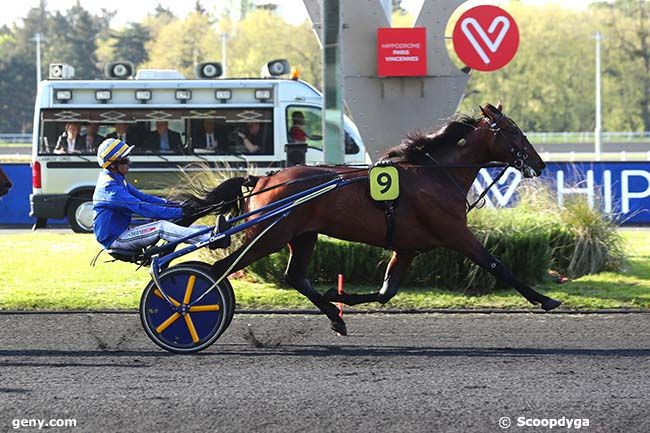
(305, 125)
(159, 131)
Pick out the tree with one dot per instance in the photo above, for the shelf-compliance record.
(181, 44)
(627, 61)
(129, 43)
(37, 21)
(397, 7)
(198, 7)
(73, 40)
(17, 87)
(548, 86)
(18, 69)
(264, 36)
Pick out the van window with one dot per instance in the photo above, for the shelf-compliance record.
(304, 125)
(157, 132)
(218, 135)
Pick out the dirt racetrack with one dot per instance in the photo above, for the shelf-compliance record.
(397, 373)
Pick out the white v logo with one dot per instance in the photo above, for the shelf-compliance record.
(493, 46)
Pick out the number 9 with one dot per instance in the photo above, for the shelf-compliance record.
(385, 181)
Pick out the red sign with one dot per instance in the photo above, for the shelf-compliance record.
(486, 38)
(402, 52)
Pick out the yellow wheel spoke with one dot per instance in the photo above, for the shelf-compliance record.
(200, 308)
(188, 289)
(164, 325)
(174, 301)
(191, 328)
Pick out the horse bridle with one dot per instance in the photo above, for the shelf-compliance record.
(520, 155)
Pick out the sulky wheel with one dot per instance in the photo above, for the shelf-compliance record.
(225, 285)
(181, 328)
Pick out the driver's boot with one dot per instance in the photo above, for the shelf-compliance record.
(221, 226)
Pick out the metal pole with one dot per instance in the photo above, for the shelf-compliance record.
(224, 54)
(598, 130)
(38, 58)
(333, 148)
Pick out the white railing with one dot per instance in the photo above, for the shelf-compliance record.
(590, 156)
(15, 138)
(588, 137)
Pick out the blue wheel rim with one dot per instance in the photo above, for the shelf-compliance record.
(178, 333)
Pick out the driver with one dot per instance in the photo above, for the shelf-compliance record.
(115, 201)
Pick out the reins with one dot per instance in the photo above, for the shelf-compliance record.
(469, 206)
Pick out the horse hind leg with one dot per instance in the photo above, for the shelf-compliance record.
(474, 250)
(300, 250)
(395, 272)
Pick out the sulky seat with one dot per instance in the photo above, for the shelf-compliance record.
(132, 256)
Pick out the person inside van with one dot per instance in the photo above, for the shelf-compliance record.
(252, 138)
(297, 133)
(207, 138)
(70, 141)
(115, 201)
(91, 138)
(121, 130)
(164, 140)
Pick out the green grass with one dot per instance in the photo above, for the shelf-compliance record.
(9, 144)
(51, 271)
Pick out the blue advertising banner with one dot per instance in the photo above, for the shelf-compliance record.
(14, 207)
(621, 189)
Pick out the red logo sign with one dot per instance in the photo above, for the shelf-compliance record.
(402, 52)
(486, 38)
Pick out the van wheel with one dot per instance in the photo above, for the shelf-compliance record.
(80, 214)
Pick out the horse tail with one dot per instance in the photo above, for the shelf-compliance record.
(225, 197)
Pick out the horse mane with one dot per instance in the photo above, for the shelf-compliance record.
(417, 143)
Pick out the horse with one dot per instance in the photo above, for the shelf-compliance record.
(436, 171)
(5, 183)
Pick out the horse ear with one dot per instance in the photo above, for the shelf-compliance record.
(500, 106)
(488, 111)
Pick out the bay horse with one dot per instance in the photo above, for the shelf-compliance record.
(436, 171)
(5, 183)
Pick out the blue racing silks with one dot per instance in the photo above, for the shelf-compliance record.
(115, 201)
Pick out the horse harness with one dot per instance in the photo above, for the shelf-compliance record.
(384, 190)
(520, 154)
(389, 205)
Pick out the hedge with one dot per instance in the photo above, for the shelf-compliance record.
(573, 241)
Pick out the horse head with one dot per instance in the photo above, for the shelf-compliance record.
(508, 143)
(5, 183)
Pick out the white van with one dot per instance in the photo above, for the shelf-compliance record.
(64, 174)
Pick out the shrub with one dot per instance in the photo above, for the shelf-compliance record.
(530, 239)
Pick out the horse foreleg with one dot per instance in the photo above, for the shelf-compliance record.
(475, 251)
(300, 250)
(394, 274)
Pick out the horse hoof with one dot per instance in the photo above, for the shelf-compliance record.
(550, 304)
(339, 328)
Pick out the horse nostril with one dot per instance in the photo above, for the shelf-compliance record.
(7, 185)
